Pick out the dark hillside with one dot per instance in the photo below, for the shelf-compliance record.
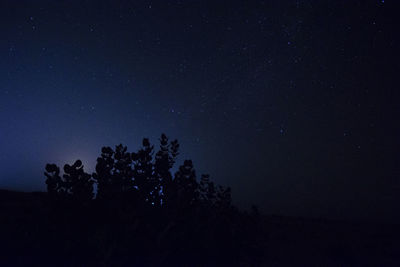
(29, 236)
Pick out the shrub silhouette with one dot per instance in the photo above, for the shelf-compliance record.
(207, 189)
(141, 207)
(164, 160)
(54, 183)
(113, 172)
(185, 185)
(78, 184)
(75, 184)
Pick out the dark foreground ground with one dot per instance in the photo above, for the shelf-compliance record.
(28, 237)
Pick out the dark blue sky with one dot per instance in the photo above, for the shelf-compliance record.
(291, 103)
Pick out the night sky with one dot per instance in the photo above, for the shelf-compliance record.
(294, 104)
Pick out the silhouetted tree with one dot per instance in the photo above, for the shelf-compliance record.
(207, 190)
(142, 207)
(123, 172)
(54, 181)
(161, 170)
(114, 174)
(77, 183)
(143, 172)
(164, 161)
(185, 184)
(104, 174)
(223, 197)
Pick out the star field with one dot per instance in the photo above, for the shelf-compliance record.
(291, 103)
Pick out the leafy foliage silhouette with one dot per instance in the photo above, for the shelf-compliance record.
(75, 184)
(141, 208)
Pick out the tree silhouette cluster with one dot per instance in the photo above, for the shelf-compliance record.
(144, 175)
(142, 213)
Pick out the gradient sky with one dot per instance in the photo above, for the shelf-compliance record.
(294, 104)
